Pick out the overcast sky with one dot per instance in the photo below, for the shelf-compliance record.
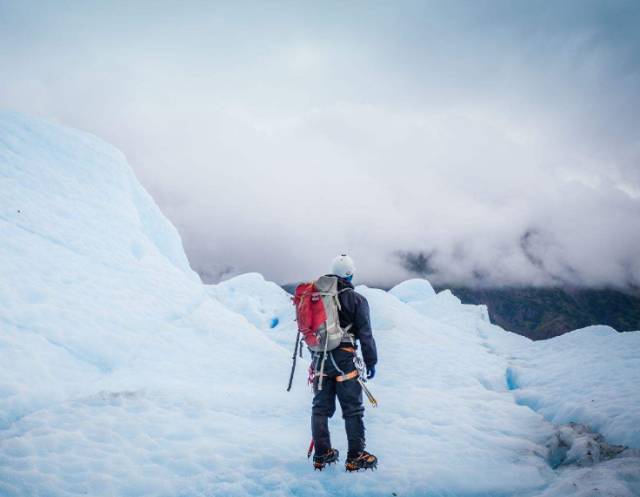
(479, 142)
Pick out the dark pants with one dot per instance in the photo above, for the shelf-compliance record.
(349, 394)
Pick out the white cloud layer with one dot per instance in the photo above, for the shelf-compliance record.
(488, 144)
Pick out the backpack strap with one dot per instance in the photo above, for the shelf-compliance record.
(340, 306)
(324, 358)
(346, 332)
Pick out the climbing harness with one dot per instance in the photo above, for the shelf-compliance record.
(358, 373)
(361, 371)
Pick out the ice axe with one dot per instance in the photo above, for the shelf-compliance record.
(357, 361)
(366, 391)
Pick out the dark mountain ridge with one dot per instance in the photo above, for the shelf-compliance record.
(540, 313)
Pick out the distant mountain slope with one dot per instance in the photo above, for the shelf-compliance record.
(540, 313)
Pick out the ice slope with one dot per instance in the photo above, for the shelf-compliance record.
(263, 303)
(590, 376)
(121, 374)
(447, 382)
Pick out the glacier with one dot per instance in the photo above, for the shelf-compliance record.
(121, 374)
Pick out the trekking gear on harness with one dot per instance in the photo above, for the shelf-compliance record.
(362, 376)
(358, 373)
(372, 399)
(311, 374)
(317, 306)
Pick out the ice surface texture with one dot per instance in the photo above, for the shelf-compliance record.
(121, 374)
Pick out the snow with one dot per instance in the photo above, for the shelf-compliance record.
(414, 290)
(122, 374)
(589, 376)
(263, 303)
(115, 362)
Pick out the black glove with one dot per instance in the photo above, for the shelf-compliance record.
(371, 372)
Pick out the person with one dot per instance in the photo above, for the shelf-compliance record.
(340, 376)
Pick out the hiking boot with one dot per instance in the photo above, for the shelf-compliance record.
(364, 460)
(329, 457)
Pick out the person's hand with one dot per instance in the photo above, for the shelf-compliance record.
(371, 372)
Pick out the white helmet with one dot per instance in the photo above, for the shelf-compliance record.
(343, 266)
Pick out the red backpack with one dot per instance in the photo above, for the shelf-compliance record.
(310, 313)
(317, 305)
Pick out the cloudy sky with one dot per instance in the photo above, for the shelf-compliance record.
(477, 142)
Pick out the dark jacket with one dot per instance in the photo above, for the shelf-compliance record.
(355, 311)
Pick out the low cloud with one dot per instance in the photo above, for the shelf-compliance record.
(487, 145)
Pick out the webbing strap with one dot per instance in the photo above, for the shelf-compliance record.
(349, 376)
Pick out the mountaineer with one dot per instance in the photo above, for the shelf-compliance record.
(334, 320)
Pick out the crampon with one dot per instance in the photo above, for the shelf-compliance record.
(329, 457)
(364, 460)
